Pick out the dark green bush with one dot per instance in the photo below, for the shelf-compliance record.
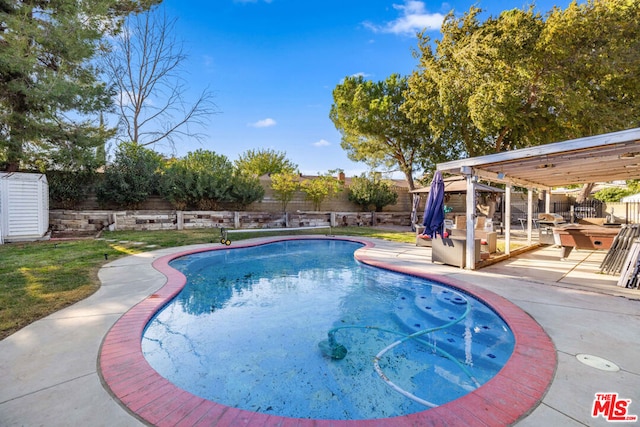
(201, 180)
(68, 188)
(245, 190)
(132, 177)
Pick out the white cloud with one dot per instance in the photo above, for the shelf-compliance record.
(354, 75)
(265, 123)
(413, 18)
(321, 143)
(208, 61)
(126, 99)
(123, 98)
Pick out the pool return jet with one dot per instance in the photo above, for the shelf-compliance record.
(332, 349)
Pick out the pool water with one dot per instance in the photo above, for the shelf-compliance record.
(247, 332)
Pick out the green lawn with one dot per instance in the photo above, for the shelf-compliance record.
(39, 278)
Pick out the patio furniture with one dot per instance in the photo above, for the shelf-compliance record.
(585, 237)
(546, 224)
(488, 239)
(523, 221)
(421, 239)
(452, 251)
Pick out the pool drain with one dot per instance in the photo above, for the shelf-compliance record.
(597, 362)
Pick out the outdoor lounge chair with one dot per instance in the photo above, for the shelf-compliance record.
(488, 239)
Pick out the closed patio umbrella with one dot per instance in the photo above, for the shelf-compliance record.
(434, 209)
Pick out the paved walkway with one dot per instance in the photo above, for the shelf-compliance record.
(49, 371)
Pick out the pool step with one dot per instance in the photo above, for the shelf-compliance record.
(416, 312)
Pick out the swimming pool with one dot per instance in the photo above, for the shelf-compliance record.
(301, 329)
(514, 392)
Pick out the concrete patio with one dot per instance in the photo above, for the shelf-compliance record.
(50, 375)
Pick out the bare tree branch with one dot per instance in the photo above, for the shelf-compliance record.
(146, 65)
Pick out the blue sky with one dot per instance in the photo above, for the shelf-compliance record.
(273, 65)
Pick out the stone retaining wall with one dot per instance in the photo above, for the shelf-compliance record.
(88, 221)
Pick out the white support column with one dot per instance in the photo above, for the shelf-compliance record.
(547, 201)
(507, 219)
(470, 261)
(529, 215)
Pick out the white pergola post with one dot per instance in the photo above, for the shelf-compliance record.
(507, 219)
(529, 215)
(547, 201)
(470, 261)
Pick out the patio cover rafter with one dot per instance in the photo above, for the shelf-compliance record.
(601, 158)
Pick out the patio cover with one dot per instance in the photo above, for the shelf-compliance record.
(600, 158)
(459, 185)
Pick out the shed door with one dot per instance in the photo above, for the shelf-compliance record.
(22, 211)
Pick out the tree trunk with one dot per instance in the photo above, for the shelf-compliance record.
(410, 181)
(585, 192)
(15, 148)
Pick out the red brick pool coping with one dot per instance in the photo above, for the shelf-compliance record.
(508, 397)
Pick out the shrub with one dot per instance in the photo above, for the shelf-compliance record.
(202, 179)
(319, 189)
(264, 161)
(245, 190)
(368, 192)
(175, 184)
(68, 188)
(612, 194)
(71, 173)
(132, 177)
(284, 185)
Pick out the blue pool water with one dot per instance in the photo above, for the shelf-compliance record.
(250, 330)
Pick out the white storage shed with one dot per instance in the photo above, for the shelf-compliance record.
(24, 206)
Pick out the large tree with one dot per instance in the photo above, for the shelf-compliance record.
(147, 66)
(593, 75)
(49, 87)
(375, 130)
(438, 90)
(522, 79)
